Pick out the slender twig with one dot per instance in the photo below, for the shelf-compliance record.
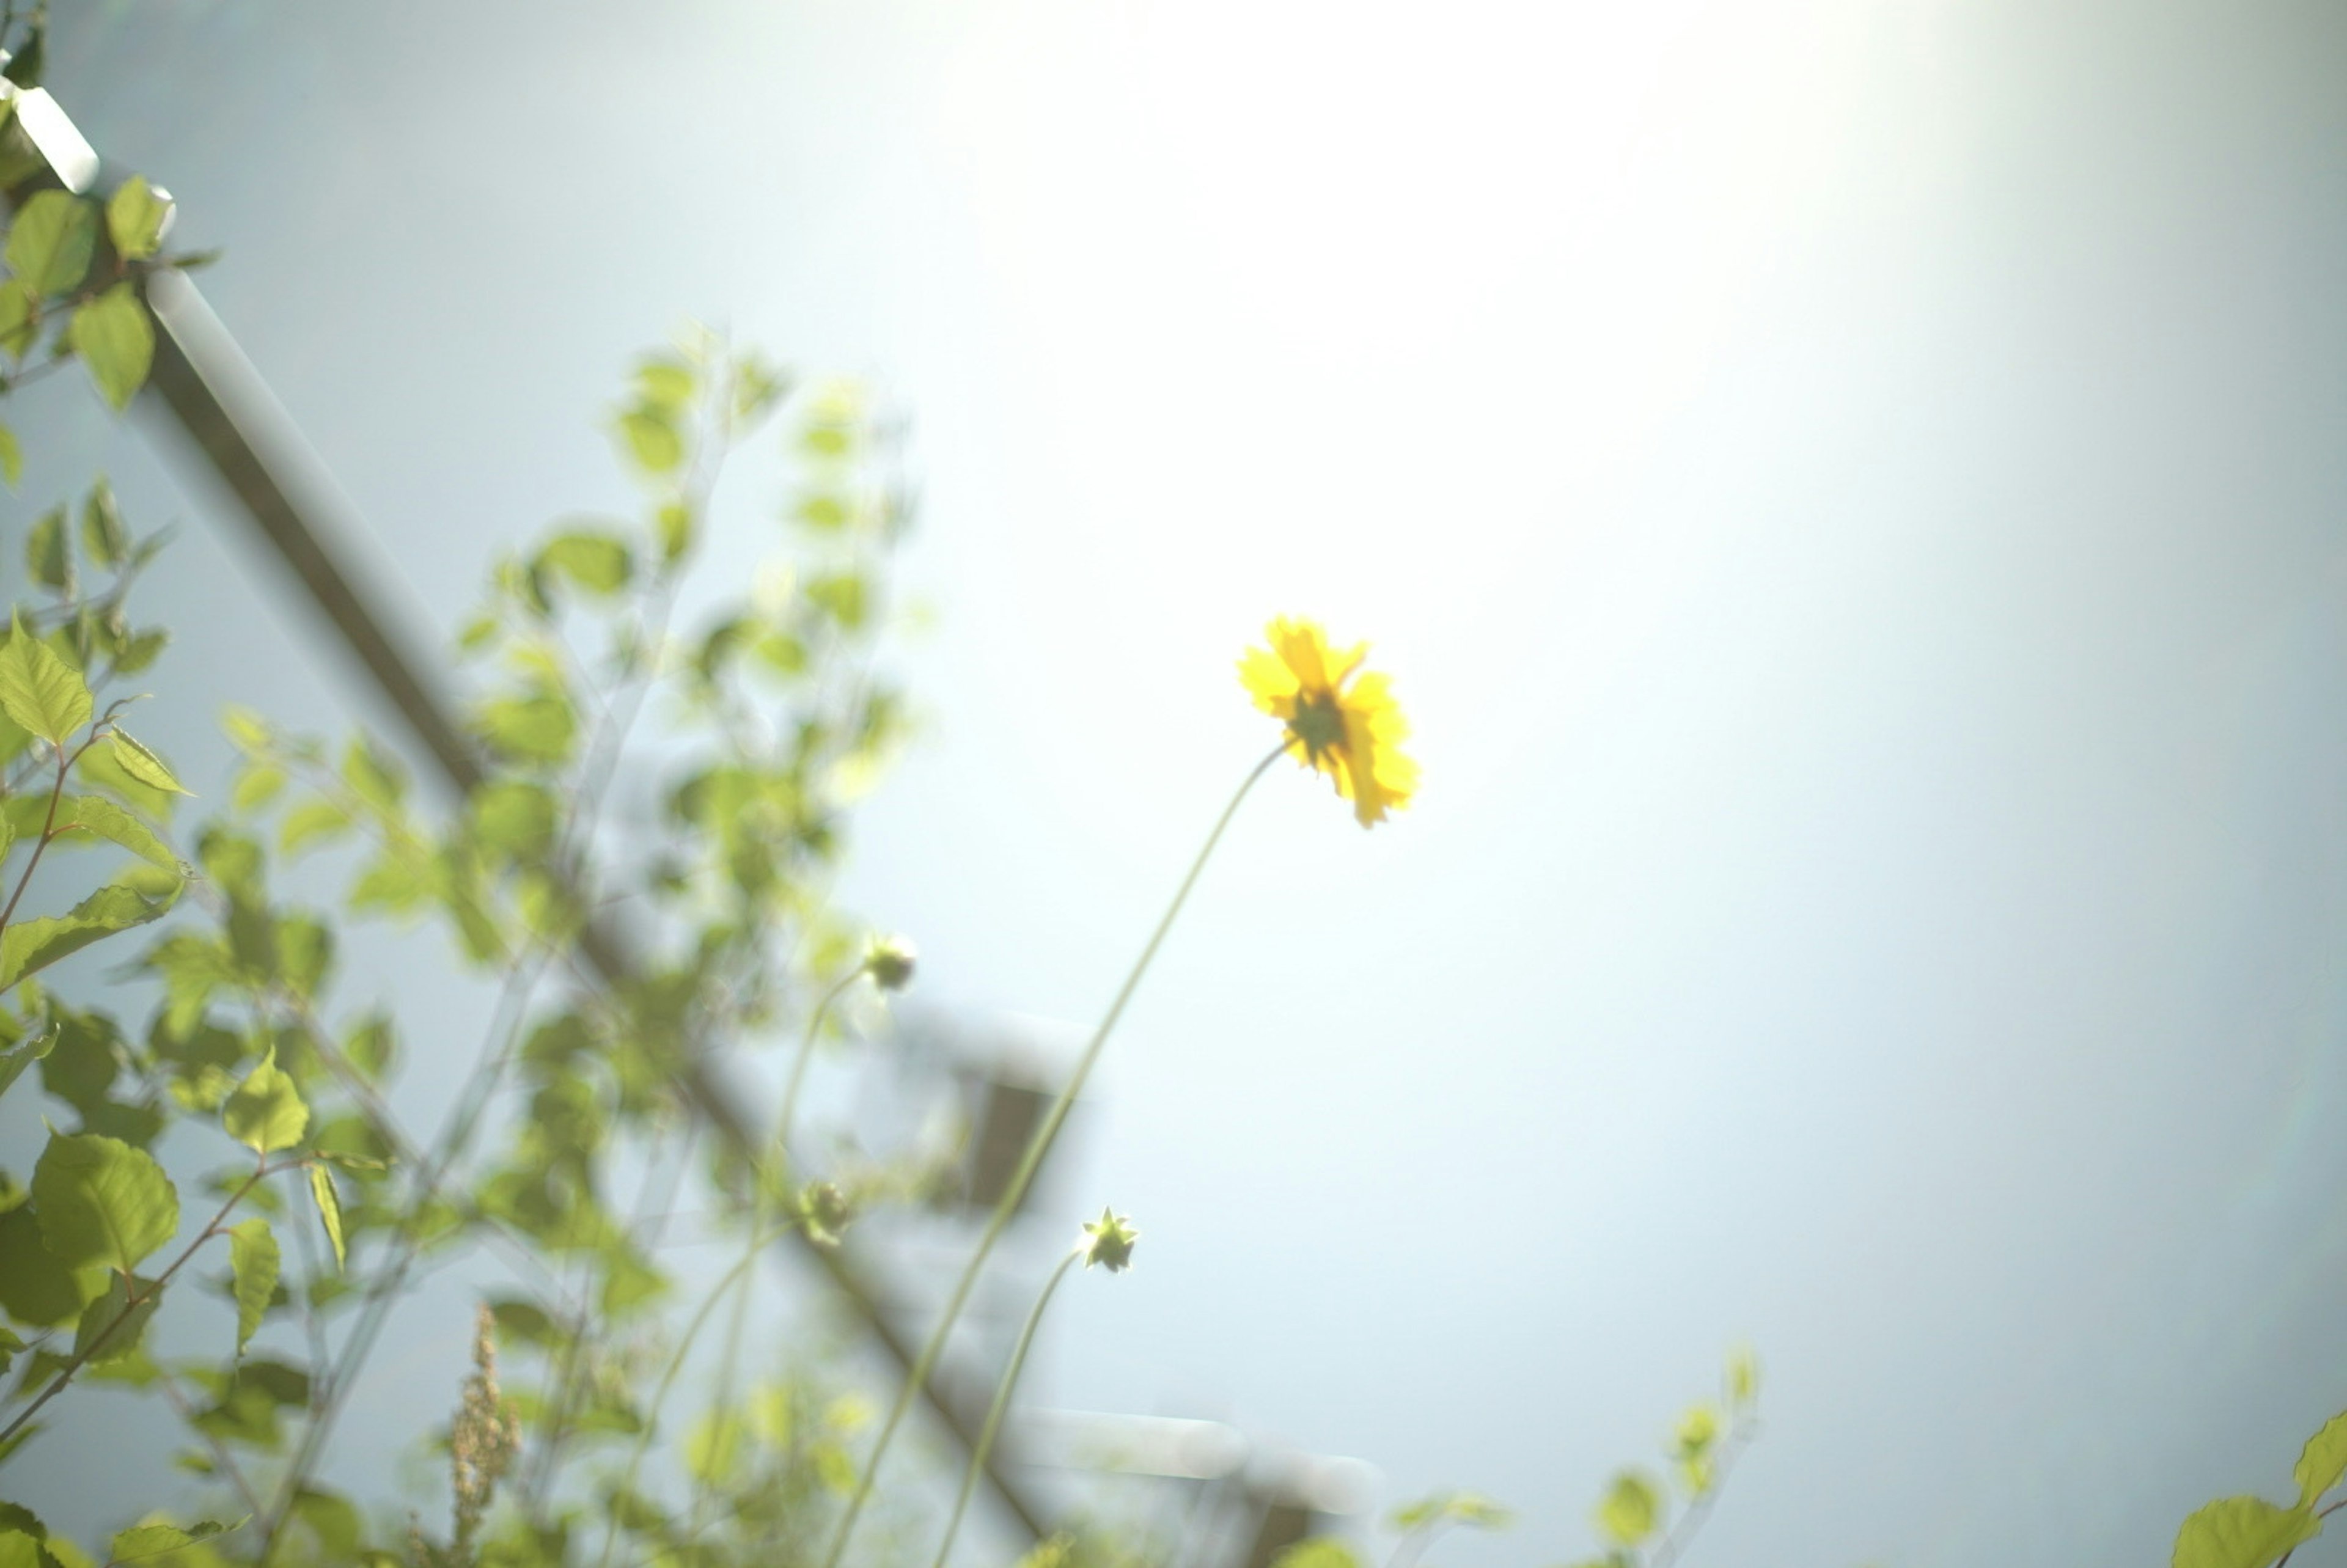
(1002, 1391)
(1675, 1540)
(1020, 1179)
(132, 1300)
(668, 1380)
(40, 845)
(2325, 1514)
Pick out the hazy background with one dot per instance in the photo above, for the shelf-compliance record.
(1851, 495)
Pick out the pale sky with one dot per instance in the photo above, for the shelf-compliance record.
(1849, 495)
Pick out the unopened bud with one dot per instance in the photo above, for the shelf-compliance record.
(825, 1211)
(890, 963)
(1108, 1241)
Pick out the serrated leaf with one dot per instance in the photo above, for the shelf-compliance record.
(52, 240)
(2241, 1532)
(38, 689)
(99, 1200)
(12, 458)
(89, 814)
(134, 217)
(27, 946)
(154, 1539)
(103, 536)
(116, 338)
(143, 765)
(253, 1264)
(2323, 1461)
(1631, 1509)
(265, 1113)
(112, 1326)
(330, 1209)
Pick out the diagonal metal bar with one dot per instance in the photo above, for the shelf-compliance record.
(221, 404)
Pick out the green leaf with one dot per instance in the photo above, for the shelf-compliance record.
(20, 1549)
(257, 783)
(103, 536)
(330, 1209)
(2241, 1532)
(22, 1055)
(253, 1264)
(38, 689)
(51, 243)
(664, 383)
(154, 1539)
(652, 440)
(539, 729)
(27, 946)
(12, 458)
(1318, 1552)
(20, 319)
(2323, 1460)
(596, 563)
(134, 217)
(115, 339)
(35, 1285)
(1742, 1377)
(374, 777)
(102, 1201)
(673, 524)
(266, 1114)
(1631, 1509)
(311, 821)
(143, 765)
(89, 814)
(112, 1326)
(48, 557)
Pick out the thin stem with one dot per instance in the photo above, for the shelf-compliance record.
(48, 831)
(132, 1301)
(504, 1032)
(918, 1377)
(986, 1434)
(2283, 1560)
(659, 1394)
(783, 1117)
(743, 1280)
(1676, 1543)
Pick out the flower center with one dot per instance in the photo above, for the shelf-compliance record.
(1318, 723)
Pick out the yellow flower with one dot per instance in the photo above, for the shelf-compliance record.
(1341, 719)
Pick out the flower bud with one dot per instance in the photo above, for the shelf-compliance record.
(890, 963)
(1108, 1242)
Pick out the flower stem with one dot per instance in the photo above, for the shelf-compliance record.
(985, 1445)
(1023, 1177)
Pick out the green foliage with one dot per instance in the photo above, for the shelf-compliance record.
(2241, 1532)
(100, 1200)
(41, 693)
(265, 1112)
(51, 243)
(117, 341)
(2322, 1463)
(255, 1264)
